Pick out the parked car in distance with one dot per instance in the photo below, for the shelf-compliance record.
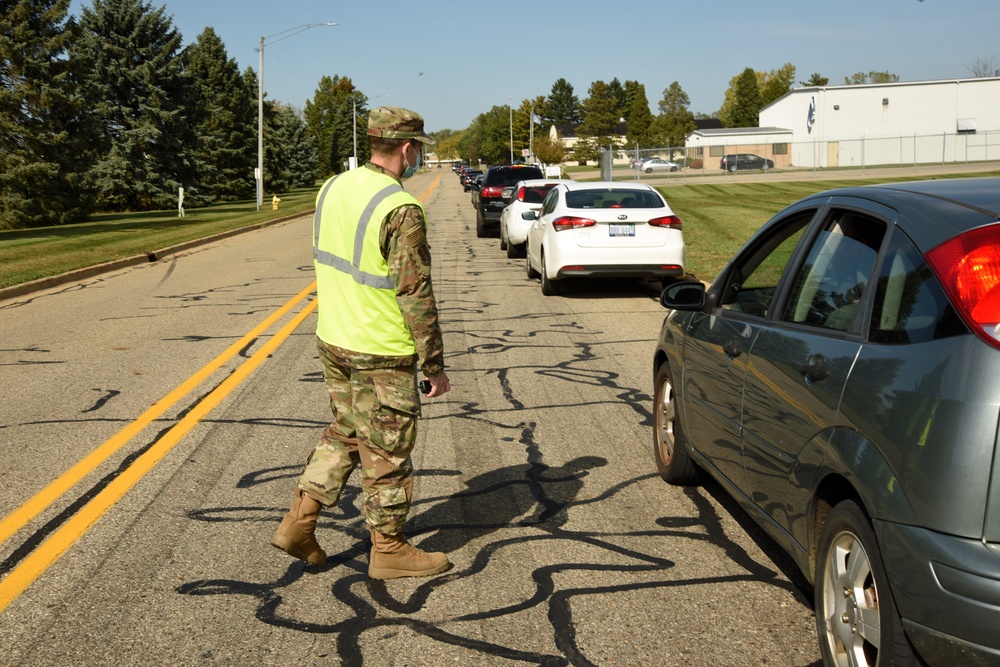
(840, 378)
(474, 187)
(657, 164)
(607, 229)
(524, 196)
(738, 161)
(491, 201)
(468, 176)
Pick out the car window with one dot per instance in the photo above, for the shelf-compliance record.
(535, 194)
(910, 304)
(550, 201)
(512, 176)
(752, 282)
(829, 285)
(614, 198)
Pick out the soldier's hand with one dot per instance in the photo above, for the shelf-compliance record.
(439, 385)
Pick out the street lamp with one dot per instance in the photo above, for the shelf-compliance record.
(285, 34)
(354, 116)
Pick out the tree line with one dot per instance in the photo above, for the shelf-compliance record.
(614, 110)
(109, 112)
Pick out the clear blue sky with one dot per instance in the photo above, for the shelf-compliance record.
(451, 60)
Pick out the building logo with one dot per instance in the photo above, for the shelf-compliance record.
(811, 117)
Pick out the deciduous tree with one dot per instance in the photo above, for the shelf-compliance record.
(549, 151)
(676, 121)
(775, 83)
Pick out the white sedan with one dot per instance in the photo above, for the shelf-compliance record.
(658, 164)
(525, 196)
(612, 229)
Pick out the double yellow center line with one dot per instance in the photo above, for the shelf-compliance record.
(36, 563)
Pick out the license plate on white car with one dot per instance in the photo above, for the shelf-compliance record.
(621, 230)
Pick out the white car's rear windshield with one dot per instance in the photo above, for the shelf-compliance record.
(613, 199)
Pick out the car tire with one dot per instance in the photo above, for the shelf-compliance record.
(503, 241)
(732, 169)
(849, 563)
(674, 168)
(549, 287)
(649, 170)
(532, 274)
(514, 250)
(673, 460)
(480, 226)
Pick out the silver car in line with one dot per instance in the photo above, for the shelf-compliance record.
(840, 378)
(658, 164)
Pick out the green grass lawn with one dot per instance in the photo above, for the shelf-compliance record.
(719, 218)
(30, 254)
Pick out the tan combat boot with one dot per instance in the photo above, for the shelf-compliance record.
(296, 534)
(393, 557)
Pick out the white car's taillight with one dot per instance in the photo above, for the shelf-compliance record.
(670, 221)
(571, 222)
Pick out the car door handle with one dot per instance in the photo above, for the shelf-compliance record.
(733, 348)
(816, 369)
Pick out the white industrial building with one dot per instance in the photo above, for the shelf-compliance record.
(924, 122)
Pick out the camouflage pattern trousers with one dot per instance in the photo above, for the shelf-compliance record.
(374, 423)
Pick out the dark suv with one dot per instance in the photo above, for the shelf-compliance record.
(491, 201)
(744, 161)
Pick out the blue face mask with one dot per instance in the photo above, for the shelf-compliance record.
(410, 170)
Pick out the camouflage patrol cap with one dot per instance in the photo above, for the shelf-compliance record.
(397, 123)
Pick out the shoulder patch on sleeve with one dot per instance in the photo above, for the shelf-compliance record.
(415, 237)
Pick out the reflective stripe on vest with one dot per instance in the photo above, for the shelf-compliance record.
(353, 266)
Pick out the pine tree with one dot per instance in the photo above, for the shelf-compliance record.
(601, 116)
(290, 151)
(135, 87)
(329, 118)
(639, 121)
(746, 95)
(226, 128)
(39, 114)
(563, 105)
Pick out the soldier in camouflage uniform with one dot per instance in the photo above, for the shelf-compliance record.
(377, 320)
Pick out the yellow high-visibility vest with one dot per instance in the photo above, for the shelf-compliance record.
(357, 297)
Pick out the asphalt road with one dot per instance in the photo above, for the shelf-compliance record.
(150, 439)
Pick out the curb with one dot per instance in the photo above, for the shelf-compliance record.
(125, 262)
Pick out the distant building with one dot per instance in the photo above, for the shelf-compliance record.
(954, 120)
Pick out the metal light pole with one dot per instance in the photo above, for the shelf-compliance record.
(354, 118)
(259, 176)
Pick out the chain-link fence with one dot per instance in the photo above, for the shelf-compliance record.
(817, 154)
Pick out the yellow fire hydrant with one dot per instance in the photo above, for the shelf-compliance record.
(274, 203)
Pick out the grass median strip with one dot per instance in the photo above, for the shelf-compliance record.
(32, 254)
(718, 219)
